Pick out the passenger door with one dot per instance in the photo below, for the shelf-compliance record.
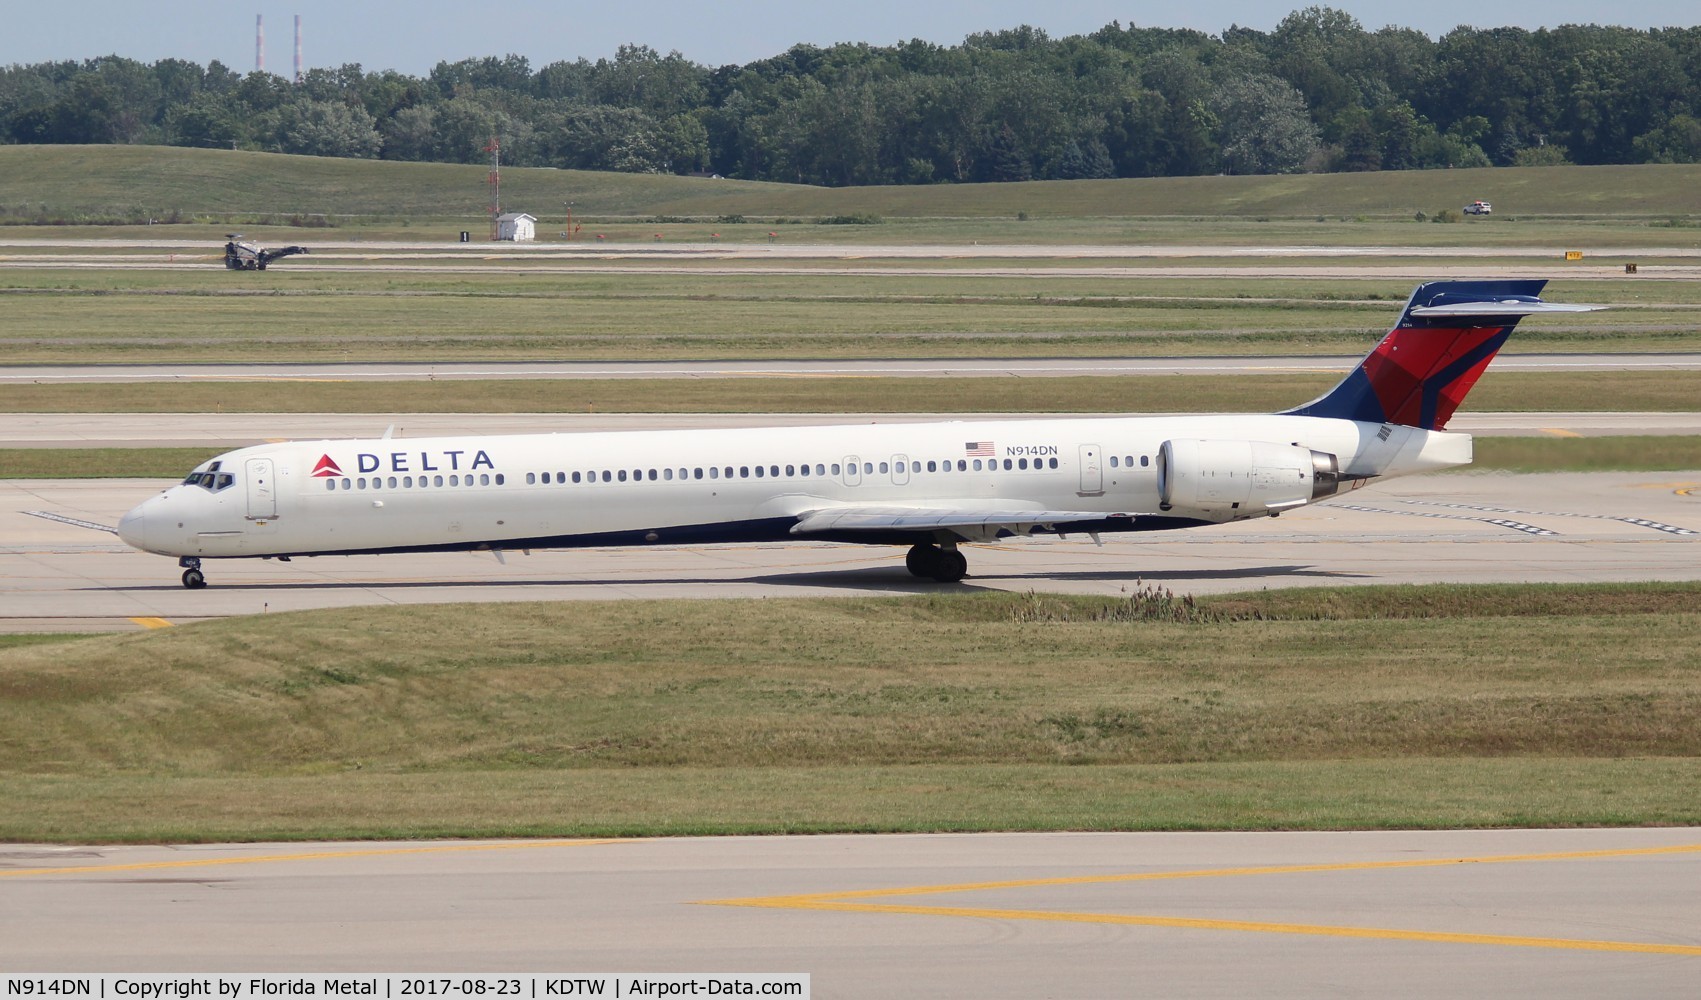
(262, 491)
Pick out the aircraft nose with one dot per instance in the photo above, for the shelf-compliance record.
(135, 527)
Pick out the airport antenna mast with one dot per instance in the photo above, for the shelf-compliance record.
(495, 183)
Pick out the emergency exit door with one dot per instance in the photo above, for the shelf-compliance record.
(1092, 470)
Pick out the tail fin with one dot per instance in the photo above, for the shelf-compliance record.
(1420, 372)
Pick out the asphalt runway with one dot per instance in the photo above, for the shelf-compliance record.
(1456, 527)
(589, 247)
(959, 260)
(1550, 913)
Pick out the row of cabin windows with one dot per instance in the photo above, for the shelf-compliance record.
(804, 471)
(711, 472)
(416, 482)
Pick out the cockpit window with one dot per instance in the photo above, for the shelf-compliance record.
(210, 479)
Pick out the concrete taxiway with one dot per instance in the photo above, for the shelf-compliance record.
(1456, 527)
(1552, 913)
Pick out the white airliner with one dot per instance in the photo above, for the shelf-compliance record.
(929, 486)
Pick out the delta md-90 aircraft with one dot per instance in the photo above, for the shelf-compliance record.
(928, 486)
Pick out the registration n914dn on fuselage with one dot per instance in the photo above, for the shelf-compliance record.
(928, 486)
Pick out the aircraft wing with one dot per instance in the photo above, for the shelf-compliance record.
(968, 522)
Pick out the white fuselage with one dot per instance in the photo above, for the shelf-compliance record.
(687, 486)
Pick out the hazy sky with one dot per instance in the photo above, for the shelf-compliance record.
(414, 36)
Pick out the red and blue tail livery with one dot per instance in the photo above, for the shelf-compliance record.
(1420, 372)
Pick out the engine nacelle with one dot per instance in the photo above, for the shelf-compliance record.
(1244, 475)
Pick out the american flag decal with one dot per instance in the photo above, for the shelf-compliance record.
(974, 448)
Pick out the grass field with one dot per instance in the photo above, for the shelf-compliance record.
(1357, 707)
(78, 315)
(90, 182)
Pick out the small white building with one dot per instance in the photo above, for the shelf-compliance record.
(516, 226)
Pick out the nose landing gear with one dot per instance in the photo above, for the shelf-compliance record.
(942, 563)
(193, 578)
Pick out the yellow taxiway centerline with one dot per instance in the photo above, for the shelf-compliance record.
(848, 902)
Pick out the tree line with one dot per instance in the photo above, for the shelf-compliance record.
(1318, 93)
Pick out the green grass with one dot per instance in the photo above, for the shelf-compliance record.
(99, 463)
(507, 312)
(1409, 793)
(1357, 707)
(100, 181)
(1650, 453)
(1499, 392)
(12, 640)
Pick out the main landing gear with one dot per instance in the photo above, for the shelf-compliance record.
(942, 563)
(193, 578)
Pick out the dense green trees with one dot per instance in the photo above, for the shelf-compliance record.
(1319, 92)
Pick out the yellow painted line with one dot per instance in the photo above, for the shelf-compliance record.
(1323, 930)
(1222, 872)
(1560, 432)
(304, 856)
(843, 901)
(152, 622)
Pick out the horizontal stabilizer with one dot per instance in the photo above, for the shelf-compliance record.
(1500, 310)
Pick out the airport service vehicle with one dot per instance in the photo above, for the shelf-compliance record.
(241, 256)
(1479, 208)
(929, 486)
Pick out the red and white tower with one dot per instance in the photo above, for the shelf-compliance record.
(259, 43)
(298, 48)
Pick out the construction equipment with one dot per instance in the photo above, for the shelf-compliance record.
(240, 256)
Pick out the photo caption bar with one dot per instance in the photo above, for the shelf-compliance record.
(400, 986)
